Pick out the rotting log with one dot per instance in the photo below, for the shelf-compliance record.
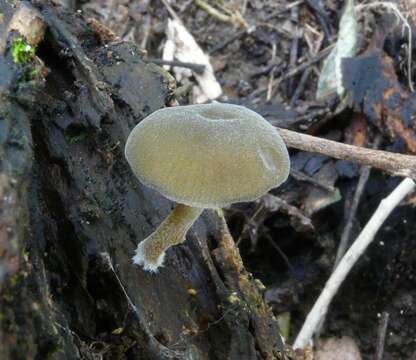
(71, 214)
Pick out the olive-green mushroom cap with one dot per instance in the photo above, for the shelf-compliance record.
(208, 155)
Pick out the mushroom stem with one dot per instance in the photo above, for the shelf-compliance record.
(172, 231)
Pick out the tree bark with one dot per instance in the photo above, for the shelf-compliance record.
(72, 213)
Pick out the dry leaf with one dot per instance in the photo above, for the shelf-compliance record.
(330, 80)
(181, 45)
(375, 90)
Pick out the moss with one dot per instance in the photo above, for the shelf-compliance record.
(8, 297)
(167, 77)
(76, 138)
(13, 279)
(22, 52)
(192, 292)
(117, 331)
(34, 73)
(89, 212)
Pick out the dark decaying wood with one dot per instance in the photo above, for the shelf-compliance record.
(71, 214)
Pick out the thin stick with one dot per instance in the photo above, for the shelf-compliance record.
(147, 29)
(282, 254)
(228, 41)
(157, 349)
(271, 78)
(294, 48)
(300, 87)
(171, 11)
(198, 68)
(213, 11)
(320, 307)
(300, 176)
(282, 11)
(246, 226)
(396, 164)
(381, 336)
(296, 70)
(345, 238)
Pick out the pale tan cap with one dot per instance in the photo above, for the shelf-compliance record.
(208, 155)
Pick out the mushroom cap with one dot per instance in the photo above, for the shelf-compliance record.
(208, 155)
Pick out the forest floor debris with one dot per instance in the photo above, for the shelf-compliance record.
(272, 65)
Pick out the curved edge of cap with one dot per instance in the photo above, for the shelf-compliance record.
(213, 205)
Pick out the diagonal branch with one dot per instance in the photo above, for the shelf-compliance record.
(395, 164)
(365, 238)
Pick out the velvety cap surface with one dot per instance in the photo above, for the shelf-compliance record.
(208, 155)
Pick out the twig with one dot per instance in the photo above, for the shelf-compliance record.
(381, 335)
(314, 50)
(321, 16)
(282, 11)
(266, 69)
(147, 29)
(345, 237)
(396, 164)
(212, 11)
(171, 11)
(320, 307)
(183, 5)
(296, 70)
(294, 48)
(157, 350)
(271, 78)
(300, 176)
(228, 41)
(282, 254)
(224, 14)
(247, 225)
(274, 203)
(306, 118)
(344, 242)
(364, 176)
(244, 7)
(304, 66)
(198, 68)
(300, 87)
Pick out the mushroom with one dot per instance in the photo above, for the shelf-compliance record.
(202, 156)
